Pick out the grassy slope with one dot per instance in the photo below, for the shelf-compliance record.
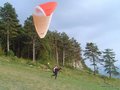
(17, 76)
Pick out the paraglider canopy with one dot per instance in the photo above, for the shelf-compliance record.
(42, 17)
(48, 8)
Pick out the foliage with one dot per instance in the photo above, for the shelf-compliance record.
(1, 52)
(30, 32)
(23, 42)
(109, 62)
(92, 53)
(10, 53)
(9, 25)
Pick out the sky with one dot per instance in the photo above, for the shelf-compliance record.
(96, 21)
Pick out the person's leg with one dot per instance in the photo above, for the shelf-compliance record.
(55, 75)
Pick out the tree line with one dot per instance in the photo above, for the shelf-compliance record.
(59, 48)
(105, 58)
(23, 41)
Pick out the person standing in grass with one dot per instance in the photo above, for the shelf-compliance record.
(55, 71)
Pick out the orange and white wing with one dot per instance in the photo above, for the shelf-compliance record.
(42, 17)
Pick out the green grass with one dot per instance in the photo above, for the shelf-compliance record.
(16, 75)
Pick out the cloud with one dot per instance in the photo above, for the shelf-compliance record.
(87, 13)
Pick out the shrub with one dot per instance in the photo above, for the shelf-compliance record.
(1, 52)
(10, 53)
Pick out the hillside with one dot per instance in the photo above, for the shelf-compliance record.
(15, 74)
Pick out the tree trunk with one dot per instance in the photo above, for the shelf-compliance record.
(94, 69)
(94, 65)
(110, 71)
(63, 57)
(33, 50)
(57, 56)
(18, 50)
(28, 52)
(56, 51)
(8, 44)
(110, 75)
